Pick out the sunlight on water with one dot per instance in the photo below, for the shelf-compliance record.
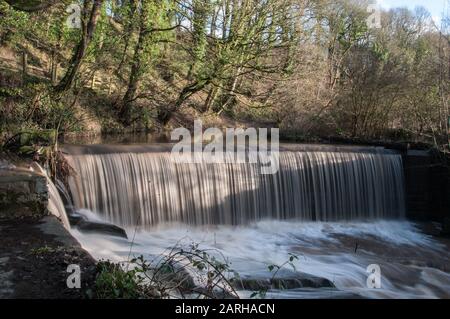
(150, 189)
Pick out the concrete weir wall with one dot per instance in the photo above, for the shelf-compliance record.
(22, 194)
(427, 183)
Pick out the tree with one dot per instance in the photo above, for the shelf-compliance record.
(91, 13)
(244, 47)
(307, 66)
(153, 19)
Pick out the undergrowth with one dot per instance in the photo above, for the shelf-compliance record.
(182, 272)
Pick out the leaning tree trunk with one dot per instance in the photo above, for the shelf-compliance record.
(136, 68)
(86, 37)
(24, 67)
(133, 83)
(164, 115)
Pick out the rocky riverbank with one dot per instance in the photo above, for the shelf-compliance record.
(36, 249)
(34, 257)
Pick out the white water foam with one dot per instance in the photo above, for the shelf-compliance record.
(322, 253)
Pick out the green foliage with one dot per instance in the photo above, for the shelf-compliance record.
(113, 282)
(169, 275)
(15, 21)
(274, 269)
(380, 52)
(30, 143)
(35, 107)
(313, 66)
(351, 30)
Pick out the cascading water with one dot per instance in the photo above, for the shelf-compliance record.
(150, 188)
(55, 203)
(327, 206)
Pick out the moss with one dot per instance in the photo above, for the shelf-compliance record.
(114, 282)
(43, 250)
(29, 5)
(45, 137)
(15, 205)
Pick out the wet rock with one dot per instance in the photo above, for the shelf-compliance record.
(86, 226)
(75, 218)
(83, 224)
(27, 140)
(179, 277)
(217, 294)
(39, 252)
(30, 5)
(446, 227)
(298, 280)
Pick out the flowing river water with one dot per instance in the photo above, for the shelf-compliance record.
(338, 209)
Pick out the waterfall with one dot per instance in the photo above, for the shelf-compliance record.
(55, 203)
(148, 188)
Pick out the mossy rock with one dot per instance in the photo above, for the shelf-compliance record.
(26, 150)
(25, 142)
(44, 137)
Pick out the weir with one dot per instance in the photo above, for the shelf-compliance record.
(147, 188)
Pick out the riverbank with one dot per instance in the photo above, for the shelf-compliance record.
(36, 249)
(34, 257)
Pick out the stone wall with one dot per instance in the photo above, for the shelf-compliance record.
(427, 184)
(22, 194)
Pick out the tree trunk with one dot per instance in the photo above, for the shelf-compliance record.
(164, 115)
(211, 98)
(129, 30)
(136, 68)
(24, 67)
(86, 37)
(54, 71)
